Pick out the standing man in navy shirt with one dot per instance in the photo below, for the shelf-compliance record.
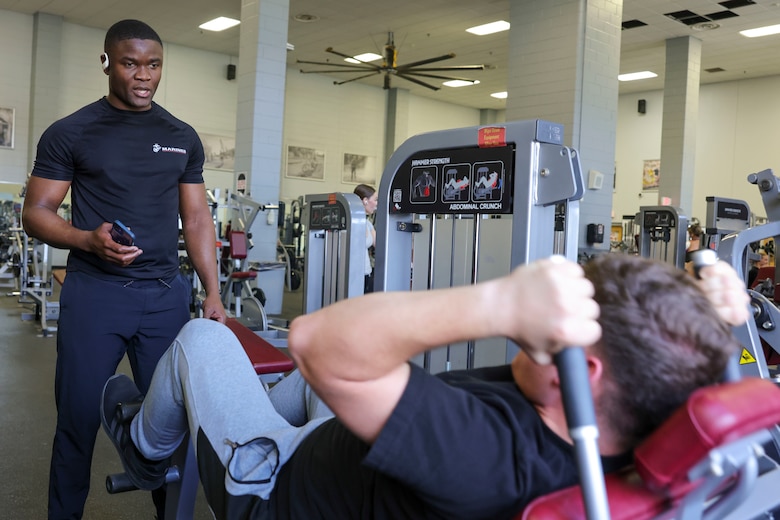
(124, 158)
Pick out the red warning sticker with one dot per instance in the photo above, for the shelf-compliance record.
(490, 136)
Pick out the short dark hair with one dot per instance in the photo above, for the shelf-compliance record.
(129, 30)
(364, 191)
(661, 340)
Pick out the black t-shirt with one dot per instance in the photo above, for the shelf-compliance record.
(461, 445)
(124, 165)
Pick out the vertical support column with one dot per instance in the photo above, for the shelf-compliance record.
(45, 81)
(260, 115)
(396, 120)
(563, 65)
(487, 116)
(681, 111)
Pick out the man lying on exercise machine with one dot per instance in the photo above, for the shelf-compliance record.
(406, 444)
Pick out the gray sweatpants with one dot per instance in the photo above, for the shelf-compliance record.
(205, 381)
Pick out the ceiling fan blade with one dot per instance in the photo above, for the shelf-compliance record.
(344, 65)
(415, 80)
(337, 53)
(425, 62)
(351, 71)
(436, 76)
(452, 67)
(357, 78)
(347, 56)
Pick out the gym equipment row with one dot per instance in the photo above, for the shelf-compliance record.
(27, 270)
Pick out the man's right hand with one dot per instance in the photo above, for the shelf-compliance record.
(548, 305)
(103, 245)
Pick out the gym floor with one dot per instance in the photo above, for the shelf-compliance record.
(28, 416)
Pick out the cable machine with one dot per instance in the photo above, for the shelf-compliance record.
(461, 206)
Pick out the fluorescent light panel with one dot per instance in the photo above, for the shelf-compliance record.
(363, 58)
(460, 83)
(761, 31)
(633, 76)
(499, 95)
(489, 28)
(219, 24)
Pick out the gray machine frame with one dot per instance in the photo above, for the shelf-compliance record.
(335, 249)
(735, 249)
(541, 182)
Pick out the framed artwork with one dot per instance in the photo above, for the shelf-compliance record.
(305, 163)
(616, 233)
(220, 152)
(6, 128)
(651, 173)
(359, 169)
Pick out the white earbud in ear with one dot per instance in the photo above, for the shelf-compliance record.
(104, 60)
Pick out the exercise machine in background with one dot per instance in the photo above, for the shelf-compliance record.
(724, 216)
(760, 336)
(663, 233)
(335, 249)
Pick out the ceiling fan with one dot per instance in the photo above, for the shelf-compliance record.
(390, 68)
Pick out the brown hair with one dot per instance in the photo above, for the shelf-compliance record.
(364, 191)
(661, 340)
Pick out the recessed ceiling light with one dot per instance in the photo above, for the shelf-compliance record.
(633, 76)
(460, 83)
(489, 28)
(499, 95)
(761, 31)
(219, 24)
(363, 58)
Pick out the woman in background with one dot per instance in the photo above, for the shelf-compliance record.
(369, 198)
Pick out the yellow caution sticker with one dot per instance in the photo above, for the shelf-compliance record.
(746, 357)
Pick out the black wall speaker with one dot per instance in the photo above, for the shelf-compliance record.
(231, 71)
(641, 106)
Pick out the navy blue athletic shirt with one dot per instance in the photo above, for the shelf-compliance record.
(124, 165)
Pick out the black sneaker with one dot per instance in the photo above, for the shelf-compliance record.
(121, 390)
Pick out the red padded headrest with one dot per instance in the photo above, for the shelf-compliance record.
(711, 417)
(628, 500)
(237, 244)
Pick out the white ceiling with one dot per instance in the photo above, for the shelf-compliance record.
(428, 28)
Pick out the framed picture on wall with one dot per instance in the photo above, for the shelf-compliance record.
(305, 163)
(651, 173)
(220, 152)
(359, 169)
(6, 128)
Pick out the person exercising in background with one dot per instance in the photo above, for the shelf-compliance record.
(124, 158)
(472, 444)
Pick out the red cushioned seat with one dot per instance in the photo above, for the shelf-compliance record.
(243, 275)
(265, 358)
